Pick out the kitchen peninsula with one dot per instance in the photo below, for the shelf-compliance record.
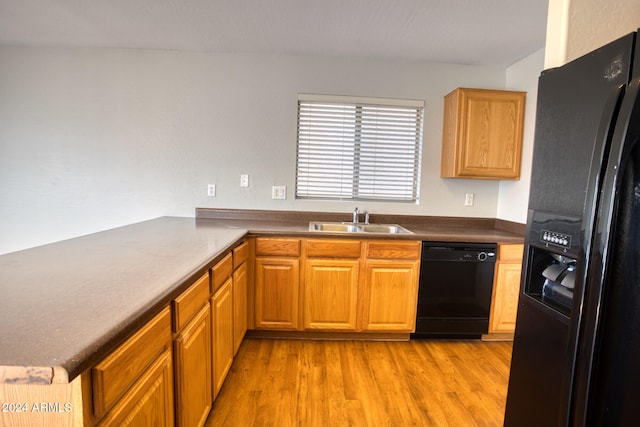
(68, 305)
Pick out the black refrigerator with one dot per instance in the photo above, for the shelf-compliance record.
(576, 350)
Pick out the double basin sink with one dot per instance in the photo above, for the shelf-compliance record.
(351, 227)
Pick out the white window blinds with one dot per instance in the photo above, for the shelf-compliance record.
(358, 148)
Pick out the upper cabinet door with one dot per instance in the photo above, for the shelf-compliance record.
(482, 134)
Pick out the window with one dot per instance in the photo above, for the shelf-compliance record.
(358, 148)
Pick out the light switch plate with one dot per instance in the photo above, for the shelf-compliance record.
(244, 180)
(279, 192)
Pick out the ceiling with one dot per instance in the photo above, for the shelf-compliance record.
(478, 32)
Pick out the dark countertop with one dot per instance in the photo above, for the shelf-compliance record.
(65, 305)
(446, 229)
(419, 232)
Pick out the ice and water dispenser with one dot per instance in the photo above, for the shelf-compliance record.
(553, 255)
(559, 281)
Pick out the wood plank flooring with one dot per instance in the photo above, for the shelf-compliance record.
(356, 383)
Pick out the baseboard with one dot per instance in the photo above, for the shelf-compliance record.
(313, 335)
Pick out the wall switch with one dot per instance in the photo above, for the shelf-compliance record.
(279, 192)
(468, 200)
(244, 180)
(211, 190)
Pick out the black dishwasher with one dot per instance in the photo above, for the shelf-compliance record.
(454, 296)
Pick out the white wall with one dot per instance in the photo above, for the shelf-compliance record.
(576, 27)
(513, 198)
(91, 139)
(593, 23)
(557, 33)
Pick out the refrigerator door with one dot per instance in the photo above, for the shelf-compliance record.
(570, 103)
(607, 378)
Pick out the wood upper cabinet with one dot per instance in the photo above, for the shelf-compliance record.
(506, 289)
(482, 134)
(277, 280)
(331, 284)
(390, 290)
(192, 349)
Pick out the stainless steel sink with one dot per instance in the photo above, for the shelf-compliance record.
(336, 227)
(385, 228)
(349, 227)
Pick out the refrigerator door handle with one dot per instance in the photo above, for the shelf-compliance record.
(604, 136)
(625, 136)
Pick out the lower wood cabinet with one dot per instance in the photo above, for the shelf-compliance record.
(277, 282)
(134, 384)
(506, 289)
(330, 294)
(240, 296)
(192, 353)
(330, 284)
(390, 291)
(276, 293)
(390, 295)
(223, 346)
(117, 373)
(192, 349)
(150, 401)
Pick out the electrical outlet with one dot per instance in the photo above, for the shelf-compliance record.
(211, 190)
(468, 200)
(279, 192)
(244, 180)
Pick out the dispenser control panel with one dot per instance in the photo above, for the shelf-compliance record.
(555, 238)
(557, 233)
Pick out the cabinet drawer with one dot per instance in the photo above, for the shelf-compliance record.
(190, 301)
(278, 247)
(330, 248)
(509, 252)
(112, 377)
(393, 250)
(240, 255)
(150, 399)
(221, 272)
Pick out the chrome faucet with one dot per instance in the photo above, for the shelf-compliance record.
(356, 214)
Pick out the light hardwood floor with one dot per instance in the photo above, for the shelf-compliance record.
(356, 383)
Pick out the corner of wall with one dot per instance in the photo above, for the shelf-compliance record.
(513, 196)
(557, 33)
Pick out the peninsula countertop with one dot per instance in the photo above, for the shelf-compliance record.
(65, 305)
